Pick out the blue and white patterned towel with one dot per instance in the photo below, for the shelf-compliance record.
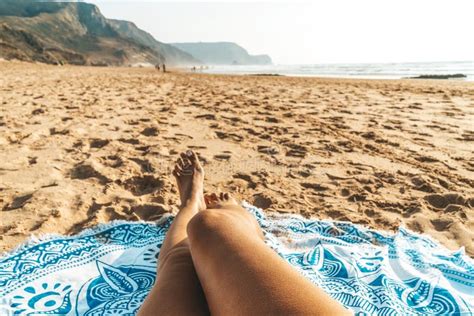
(110, 269)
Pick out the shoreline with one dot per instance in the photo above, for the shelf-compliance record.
(186, 69)
(356, 70)
(336, 77)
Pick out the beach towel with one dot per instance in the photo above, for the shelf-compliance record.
(109, 270)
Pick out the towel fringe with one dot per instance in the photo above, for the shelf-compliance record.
(37, 239)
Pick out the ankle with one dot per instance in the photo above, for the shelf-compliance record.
(190, 202)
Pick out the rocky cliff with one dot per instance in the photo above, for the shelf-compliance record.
(77, 33)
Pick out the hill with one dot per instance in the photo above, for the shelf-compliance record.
(223, 53)
(76, 33)
(172, 54)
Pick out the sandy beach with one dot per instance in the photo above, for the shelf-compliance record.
(85, 145)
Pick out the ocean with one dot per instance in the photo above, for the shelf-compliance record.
(367, 71)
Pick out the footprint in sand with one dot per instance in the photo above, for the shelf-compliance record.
(222, 157)
(142, 185)
(208, 116)
(269, 150)
(232, 136)
(144, 164)
(262, 201)
(85, 171)
(149, 211)
(441, 201)
(98, 143)
(426, 159)
(18, 202)
(37, 111)
(149, 131)
(105, 212)
(466, 136)
(314, 186)
(422, 184)
(132, 141)
(58, 131)
(441, 224)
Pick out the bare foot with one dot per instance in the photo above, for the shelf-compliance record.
(189, 176)
(223, 200)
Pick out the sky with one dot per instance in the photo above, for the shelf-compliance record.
(314, 32)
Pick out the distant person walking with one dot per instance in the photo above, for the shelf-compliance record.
(164, 67)
(157, 67)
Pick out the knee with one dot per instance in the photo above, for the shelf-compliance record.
(207, 224)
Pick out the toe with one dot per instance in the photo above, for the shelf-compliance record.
(180, 162)
(210, 200)
(191, 155)
(196, 162)
(185, 159)
(207, 199)
(177, 171)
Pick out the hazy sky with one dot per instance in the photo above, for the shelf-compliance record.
(335, 31)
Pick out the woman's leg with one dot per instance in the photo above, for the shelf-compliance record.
(240, 274)
(177, 290)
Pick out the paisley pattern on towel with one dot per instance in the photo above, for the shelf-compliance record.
(110, 269)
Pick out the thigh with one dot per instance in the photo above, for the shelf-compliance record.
(241, 275)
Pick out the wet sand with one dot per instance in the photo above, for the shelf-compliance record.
(81, 146)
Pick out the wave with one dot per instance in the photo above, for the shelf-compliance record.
(366, 70)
